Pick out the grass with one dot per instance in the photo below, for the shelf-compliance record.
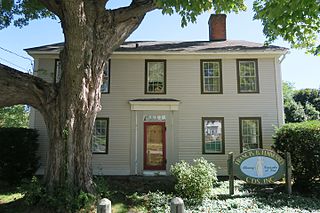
(131, 194)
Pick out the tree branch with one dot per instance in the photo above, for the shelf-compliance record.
(137, 9)
(22, 88)
(53, 6)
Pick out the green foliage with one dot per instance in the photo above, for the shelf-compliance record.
(21, 12)
(62, 199)
(311, 112)
(305, 96)
(102, 187)
(296, 21)
(294, 112)
(302, 140)
(288, 90)
(190, 9)
(194, 181)
(18, 158)
(158, 202)
(300, 105)
(15, 116)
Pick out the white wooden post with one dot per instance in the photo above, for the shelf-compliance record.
(177, 205)
(104, 206)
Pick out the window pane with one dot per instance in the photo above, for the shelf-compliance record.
(58, 71)
(250, 134)
(156, 77)
(99, 136)
(105, 84)
(213, 136)
(247, 76)
(211, 76)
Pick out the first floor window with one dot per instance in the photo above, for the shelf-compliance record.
(250, 133)
(57, 71)
(105, 87)
(155, 79)
(100, 135)
(247, 76)
(211, 78)
(213, 135)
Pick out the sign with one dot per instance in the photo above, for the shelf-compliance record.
(259, 166)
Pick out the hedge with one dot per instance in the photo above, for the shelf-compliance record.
(302, 140)
(18, 159)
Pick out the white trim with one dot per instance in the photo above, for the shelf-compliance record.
(213, 52)
(155, 105)
(136, 144)
(278, 91)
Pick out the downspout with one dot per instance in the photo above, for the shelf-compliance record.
(283, 57)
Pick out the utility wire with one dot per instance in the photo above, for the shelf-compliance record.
(9, 51)
(15, 65)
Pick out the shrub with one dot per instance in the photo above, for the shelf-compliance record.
(18, 159)
(62, 199)
(158, 202)
(302, 140)
(194, 181)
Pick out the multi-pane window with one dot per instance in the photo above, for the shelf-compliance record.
(250, 133)
(211, 78)
(155, 80)
(105, 87)
(212, 135)
(57, 71)
(248, 81)
(100, 136)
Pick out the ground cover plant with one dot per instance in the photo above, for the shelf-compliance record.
(153, 194)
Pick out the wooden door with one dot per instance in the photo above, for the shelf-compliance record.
(154, 146)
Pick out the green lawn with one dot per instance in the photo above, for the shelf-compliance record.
(131, 194)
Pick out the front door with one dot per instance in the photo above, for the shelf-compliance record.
(154, 146)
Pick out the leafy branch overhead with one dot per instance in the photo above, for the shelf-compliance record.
(296, 21)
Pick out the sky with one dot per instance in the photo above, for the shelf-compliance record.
(298, 67)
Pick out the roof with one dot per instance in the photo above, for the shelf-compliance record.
(177, 47)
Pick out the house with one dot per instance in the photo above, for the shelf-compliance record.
(163, 102)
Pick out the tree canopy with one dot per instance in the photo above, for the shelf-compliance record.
(296, 21)
(300, 105)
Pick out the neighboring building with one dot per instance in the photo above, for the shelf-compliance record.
(163, 102)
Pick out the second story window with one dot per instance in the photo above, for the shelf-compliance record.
(105, 87)
(211, 78)
(248, 81)
(155, 77)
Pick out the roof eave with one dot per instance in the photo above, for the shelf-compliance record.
(214, 52)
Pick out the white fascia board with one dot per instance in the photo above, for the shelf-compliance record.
(154, 105)
(242, 52)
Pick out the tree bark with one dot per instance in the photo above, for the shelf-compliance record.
(91, 35)
(69, 107)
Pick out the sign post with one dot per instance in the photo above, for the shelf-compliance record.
(288, 173)
(230, 173)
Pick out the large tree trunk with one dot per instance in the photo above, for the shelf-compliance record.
(70, 107)
(91, 35)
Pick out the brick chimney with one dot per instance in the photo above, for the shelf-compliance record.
(217, 27)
